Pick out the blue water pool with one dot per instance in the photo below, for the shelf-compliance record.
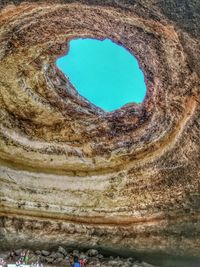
(105, 73)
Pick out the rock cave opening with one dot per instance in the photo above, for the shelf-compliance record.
(103, 72)
(124, 184)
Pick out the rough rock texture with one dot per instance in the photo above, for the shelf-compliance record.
(72, 174)
(64, 258)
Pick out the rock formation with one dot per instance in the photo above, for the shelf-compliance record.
(72, 174)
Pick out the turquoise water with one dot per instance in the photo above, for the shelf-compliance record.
(105, 73)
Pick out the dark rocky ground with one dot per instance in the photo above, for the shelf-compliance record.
(62, 257)
(71, 174)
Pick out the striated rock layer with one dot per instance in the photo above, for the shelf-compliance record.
(73, 174)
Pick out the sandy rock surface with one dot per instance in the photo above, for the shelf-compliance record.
(76, 176)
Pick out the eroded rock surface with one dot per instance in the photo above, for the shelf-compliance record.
(65, 258)
(72, 174)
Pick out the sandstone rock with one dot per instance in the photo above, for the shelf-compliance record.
(53, 255)
(42, 259)
(33, 258)
(4, 256)
(99, 256)
(131, 260)
(73, 174)
(58, 260)
(45, 253)
(18, 252)
(113, 263)
(92, 252)
(83, 256)
(127, 264)
(144, 264)
(64, 263)
(75, 253)
(38, 252)
(62, 250)
(49, 260)
(59, 255)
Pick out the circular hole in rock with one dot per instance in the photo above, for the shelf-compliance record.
(103, 72)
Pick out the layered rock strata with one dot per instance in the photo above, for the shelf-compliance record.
(73, 174)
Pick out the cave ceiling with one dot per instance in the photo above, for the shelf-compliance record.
(71, 172)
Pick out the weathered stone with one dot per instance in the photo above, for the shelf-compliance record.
(49, 260)
(75, 253)
(83, 256)
(53, 255)
(4, 256)
(59, 255)
(38, 252)
(33, 258)
(144, 264)
(131, 260)
(92, 252)
(45, 253)
(18, 252)
(73, 175)
(62, 250)
(127, 264)
(58, 260)
(99, 256)
(113, 263)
